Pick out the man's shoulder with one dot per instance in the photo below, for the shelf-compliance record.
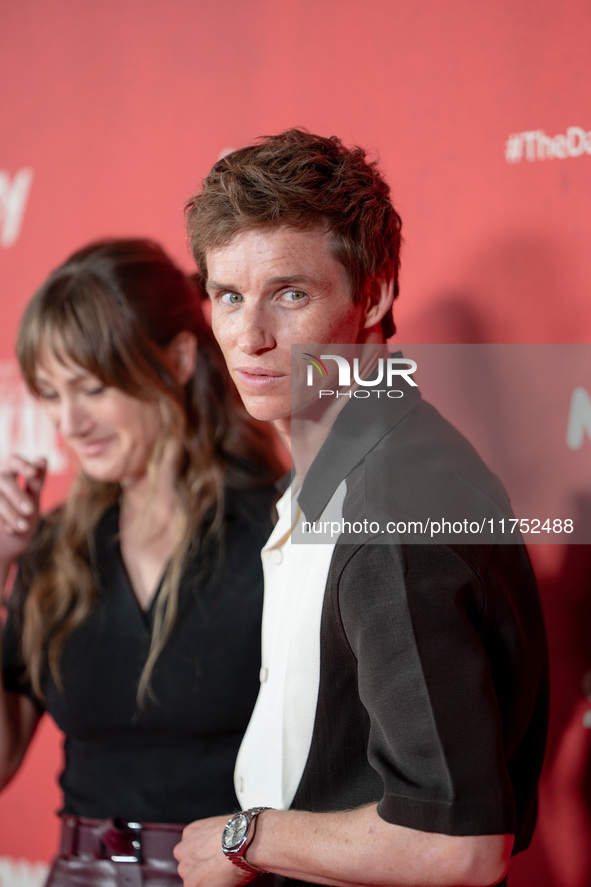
(424, 467)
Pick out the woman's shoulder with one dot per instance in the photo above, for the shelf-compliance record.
(43, 543)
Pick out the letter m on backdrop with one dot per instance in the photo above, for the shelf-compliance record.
(579, 419)
(13, 199)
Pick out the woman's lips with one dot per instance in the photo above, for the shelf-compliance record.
(93, 448)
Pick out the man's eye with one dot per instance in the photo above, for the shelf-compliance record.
(47, 395)
(230, 298)
(294, 296)
(94, 390)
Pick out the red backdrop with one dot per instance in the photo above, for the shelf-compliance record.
(112, 113)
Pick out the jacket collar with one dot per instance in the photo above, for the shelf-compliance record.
(357, 430)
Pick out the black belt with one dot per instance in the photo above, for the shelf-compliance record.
(128, 845)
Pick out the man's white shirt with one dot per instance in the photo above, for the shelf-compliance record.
(275, 747)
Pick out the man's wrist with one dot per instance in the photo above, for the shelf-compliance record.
(237, 837)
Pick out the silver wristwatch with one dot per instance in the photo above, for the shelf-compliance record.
(237, 835)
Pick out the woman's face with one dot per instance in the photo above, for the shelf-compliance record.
(111, 433)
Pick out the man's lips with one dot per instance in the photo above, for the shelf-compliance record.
(258, 377)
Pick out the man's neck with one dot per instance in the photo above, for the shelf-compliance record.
(304, 436)
(305, 432)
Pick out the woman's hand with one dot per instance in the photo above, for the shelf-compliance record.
(21, 483)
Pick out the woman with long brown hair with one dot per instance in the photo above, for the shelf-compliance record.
(135, 617)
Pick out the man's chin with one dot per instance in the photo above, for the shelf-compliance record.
(266, 409)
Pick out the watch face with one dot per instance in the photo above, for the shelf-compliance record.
(234, 831)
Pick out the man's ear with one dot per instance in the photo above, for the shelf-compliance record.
(182, 351)
(379, 296)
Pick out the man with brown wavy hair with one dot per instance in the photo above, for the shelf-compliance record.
(396, 739)
(303, 181)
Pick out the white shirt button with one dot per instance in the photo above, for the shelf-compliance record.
(263, 674)
(276, 556)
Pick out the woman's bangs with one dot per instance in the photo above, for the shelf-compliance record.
(71, 331)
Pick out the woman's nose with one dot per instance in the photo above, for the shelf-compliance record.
(72, 419)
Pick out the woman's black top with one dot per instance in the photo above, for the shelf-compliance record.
(172, 759)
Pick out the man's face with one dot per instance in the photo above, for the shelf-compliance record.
(270, 289)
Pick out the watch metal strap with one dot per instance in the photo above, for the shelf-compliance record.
(240, 859)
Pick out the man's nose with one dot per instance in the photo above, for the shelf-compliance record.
(256, 332)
